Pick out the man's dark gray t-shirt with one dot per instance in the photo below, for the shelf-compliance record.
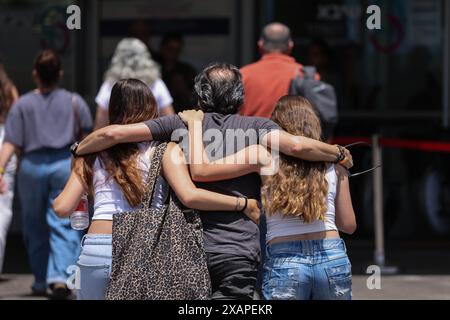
(224, 232)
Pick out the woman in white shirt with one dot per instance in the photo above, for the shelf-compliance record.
(116, 177)
(307, 204)
(132, 59)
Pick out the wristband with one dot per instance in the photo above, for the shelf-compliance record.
(73, 149)
(341, 156)
(245, 205)
(2, 170)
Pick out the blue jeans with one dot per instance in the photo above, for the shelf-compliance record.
(94, 266)
(307, 270)
(51, 243)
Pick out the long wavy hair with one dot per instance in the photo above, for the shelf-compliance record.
(6, 94)
(131, 102)
(299, 188)
(132, 59)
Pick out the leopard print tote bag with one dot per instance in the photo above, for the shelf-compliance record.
(158, 253)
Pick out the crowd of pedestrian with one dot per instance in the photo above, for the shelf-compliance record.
(177, 191)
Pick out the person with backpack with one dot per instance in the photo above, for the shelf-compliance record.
(277, 74)
(42, 125)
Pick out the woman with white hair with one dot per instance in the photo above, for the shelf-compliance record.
(132, 59)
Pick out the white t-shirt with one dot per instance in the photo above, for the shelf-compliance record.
(159, 90)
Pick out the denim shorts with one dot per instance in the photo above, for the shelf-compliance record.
(307, 270)
(94, 266)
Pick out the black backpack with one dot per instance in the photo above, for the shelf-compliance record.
(321, 95)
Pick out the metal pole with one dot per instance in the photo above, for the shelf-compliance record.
(379, 255)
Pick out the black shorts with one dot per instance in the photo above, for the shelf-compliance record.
(232, 277)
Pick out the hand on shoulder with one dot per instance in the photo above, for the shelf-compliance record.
(191, 115)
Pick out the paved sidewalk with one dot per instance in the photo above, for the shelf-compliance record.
(423, 271)
(13, 286)
(16, 287)
(404, 287)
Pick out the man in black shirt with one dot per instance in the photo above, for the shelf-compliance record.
(231, 239)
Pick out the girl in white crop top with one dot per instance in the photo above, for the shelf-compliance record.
(108, 195)
(306, 205)
(281, 226)
(115, 178)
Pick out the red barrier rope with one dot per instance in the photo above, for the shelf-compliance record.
(422, 145)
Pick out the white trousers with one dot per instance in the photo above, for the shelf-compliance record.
(6, 201)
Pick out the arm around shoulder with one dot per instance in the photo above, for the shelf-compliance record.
(111, 135)
(177, 175)
(301, 147)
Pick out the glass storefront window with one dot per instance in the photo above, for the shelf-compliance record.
(398, 69)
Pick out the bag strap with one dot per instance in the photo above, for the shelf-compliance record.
(155, 170)
(77, 131)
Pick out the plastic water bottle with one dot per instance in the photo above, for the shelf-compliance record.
(79, 219)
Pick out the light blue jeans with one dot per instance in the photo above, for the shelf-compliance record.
(307, 270)
(94, 266)
(51, 243)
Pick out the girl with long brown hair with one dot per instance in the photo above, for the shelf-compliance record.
(306, 203)
(8, 96)
(115, 178)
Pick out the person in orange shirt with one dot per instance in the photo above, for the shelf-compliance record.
(268, 79)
